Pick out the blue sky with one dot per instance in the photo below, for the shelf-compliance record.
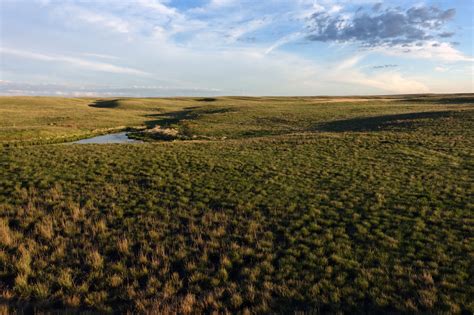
(230, 47)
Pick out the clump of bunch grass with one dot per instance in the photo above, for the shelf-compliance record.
(341, 219)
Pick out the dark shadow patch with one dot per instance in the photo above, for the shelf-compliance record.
(272, 120)
(40, 307)
(211, 111)
(206, 99)
(258, 133)
(431, 99)
(245, 98)
(169, 118)
(397, 122)
(189, 113)
(105, 104)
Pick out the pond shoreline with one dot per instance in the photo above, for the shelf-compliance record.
(111, 138)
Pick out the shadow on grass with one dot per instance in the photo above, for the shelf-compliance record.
(387, 122)
(39, 308)
(188, 113)
(206, 99)
(435, 99)
(105, 104)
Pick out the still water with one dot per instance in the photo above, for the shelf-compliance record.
(120, 137)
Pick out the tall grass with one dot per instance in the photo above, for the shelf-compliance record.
(368, 215)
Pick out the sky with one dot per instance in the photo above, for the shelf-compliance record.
(146, 48)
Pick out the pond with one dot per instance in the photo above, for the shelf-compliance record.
(120, 137)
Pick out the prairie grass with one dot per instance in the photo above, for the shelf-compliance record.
(307, 206)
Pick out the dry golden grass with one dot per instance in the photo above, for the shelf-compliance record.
(306, 207)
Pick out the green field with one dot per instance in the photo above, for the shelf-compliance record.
(258, 205)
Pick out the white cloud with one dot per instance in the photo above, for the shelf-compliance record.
(349, 62)
(214, 5)
(429, 50)
(158, 7)
(441, 69)
(78, 62)
(203, 49)
(237, 32)
(102, 56)
(222, 3)
(78, 13)
(22, 88)
(278, 74)
(284, 40)
(391, 81)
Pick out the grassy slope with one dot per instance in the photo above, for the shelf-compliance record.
(363, 214)
(51, 119)
(48, 119)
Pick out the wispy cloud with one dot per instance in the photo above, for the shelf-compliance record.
(24, 88)
(77, 62)
(214, 5)
(349, 62)
(222, 3)
(385, 66)
(104, 20)
(245, 28)
(390, 81)
(236, 46)
(102, 56)
(158, 7)
(284, 40)
(429, 50)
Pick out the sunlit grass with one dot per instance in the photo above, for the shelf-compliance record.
(316, 208)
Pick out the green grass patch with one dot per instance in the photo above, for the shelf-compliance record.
(360, 206)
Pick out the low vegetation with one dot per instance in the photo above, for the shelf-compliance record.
(270, 205)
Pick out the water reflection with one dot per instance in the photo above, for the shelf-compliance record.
(120, 137)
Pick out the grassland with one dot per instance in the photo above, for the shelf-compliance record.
(265, 205)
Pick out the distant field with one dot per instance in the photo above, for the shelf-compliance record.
(36, 120)
(259, 205)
